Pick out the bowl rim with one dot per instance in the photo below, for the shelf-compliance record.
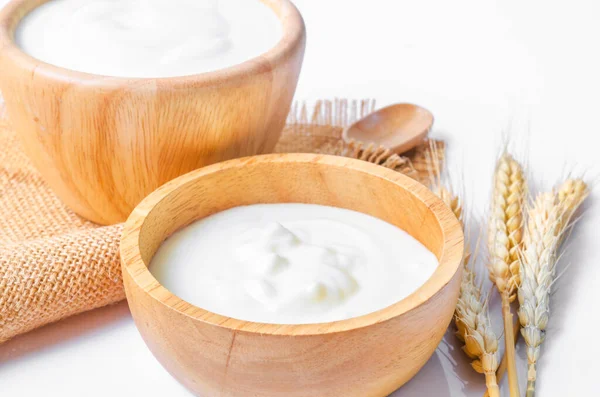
(449, 263)
(293, 37)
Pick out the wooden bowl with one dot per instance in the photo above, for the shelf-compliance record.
(104, 143)
(370, 355)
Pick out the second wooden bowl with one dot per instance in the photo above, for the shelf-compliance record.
(371, 355)
(104, 143)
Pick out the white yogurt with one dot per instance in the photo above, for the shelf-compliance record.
(148, 38)
(292, 263)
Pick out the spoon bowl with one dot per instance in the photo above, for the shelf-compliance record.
(398, 127)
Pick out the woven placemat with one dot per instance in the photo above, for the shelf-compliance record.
(55, 264)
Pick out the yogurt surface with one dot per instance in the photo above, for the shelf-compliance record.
(292, 263)
(148, 38)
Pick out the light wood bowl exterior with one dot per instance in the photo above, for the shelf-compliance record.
(104, 143)
(371, 355)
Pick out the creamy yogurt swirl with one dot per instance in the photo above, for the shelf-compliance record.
(292, 263)
(148, 38)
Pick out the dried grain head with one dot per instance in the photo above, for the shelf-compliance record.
(547, 223)
(471, 316)
(439, 184)
(474, 326)
(571, 195)
(452, 201)
(505, 228)
(538, 271)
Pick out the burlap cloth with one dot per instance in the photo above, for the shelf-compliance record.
(55, 264)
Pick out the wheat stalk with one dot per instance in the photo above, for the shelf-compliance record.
(538, 271)
(449, 198)
(437, 186)
(470, 316)
(570, 196)
(504, 362)
(505, 233)
(548, 221)
(474, 329)
(452, 201)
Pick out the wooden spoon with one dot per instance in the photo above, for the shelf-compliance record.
(398, 127)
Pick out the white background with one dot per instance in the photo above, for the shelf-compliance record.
(482, 67)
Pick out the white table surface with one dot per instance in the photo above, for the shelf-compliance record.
(481, 66)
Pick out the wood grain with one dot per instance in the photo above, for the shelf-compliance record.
(103, 143)
(371, 355)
